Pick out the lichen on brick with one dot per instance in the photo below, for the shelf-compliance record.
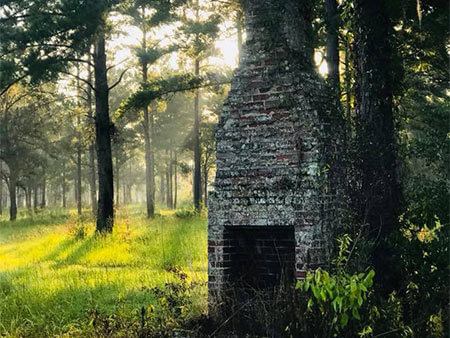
(272, 144)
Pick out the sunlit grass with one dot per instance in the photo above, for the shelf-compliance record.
(51, 278)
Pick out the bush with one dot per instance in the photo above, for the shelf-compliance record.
(185, 213)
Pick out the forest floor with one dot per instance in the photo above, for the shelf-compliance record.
(58, 279)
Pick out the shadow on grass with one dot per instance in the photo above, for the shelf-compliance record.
(63, 246)
(76, 255)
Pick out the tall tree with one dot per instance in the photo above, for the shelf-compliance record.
(148, 15)
(332, 24)
(92, 173)
(379, 198)
(199, 39)
(105, 211)
(34, 50)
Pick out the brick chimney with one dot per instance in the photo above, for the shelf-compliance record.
(272, 206)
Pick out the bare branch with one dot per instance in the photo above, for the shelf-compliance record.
(120, 79)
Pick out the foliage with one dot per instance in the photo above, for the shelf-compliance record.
(338, 297)
(185, 213)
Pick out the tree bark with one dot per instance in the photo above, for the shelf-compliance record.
(205, 183)
(379, 201)
(78, 180)
(35, 196)
(332, 23)
(146, 126)
(117, 179)
(347, 82)
(79, 191)
(175, 176)
(1, 193)
(167, 177)
(239, 33)
(64, 189)
(197, 151)
(12, 197)
(92, 178)
(162, 182)
(44, 191)
(105, 213)
(170, 172)
(28, 197)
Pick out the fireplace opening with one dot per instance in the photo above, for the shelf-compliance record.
(259, 257)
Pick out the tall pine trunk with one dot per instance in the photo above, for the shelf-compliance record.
(379, 200)
(78, 180)
(205, 183)
(12, 186)
(92, 174)
(162, 187)
(170, 172)
(35, 196)
(175, 176)
(239, 32)
(105, 213)
(79, 191)
(64, 189)
(44, 192)
(1, 192)
(147, 128)
(117, 179)
(332, 23)
(197, 151)
(28, 197)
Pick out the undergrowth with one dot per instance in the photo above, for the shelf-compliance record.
(58, 279)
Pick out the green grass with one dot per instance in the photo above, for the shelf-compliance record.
(52, 280)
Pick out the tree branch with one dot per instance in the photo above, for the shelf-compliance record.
(120, 79)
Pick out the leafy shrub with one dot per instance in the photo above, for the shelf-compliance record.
(185, 213)
(338, 297)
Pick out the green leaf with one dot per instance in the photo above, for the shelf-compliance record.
(344, 320)
(360, 301)
(323, 295)
(355, 313)
(306, 285)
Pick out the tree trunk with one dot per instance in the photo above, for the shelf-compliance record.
(105, 213)
(75, 188)
(35, 196)
(348, 88)
(170, 179)
(162, 182)
(78, 180)
(64, 189)
(167, 177)
(332, 23)
(12, 198)
(19, 198)
(175, 176)
(117, 179)
(205, 183)
(1, 194)
(197, 151)
(44, 190)
(379, 201)
(146, 125)
(79, 191)
(28, 197)
(239, 32)
(92, 178)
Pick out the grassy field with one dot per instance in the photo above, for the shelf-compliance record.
(58, 279)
